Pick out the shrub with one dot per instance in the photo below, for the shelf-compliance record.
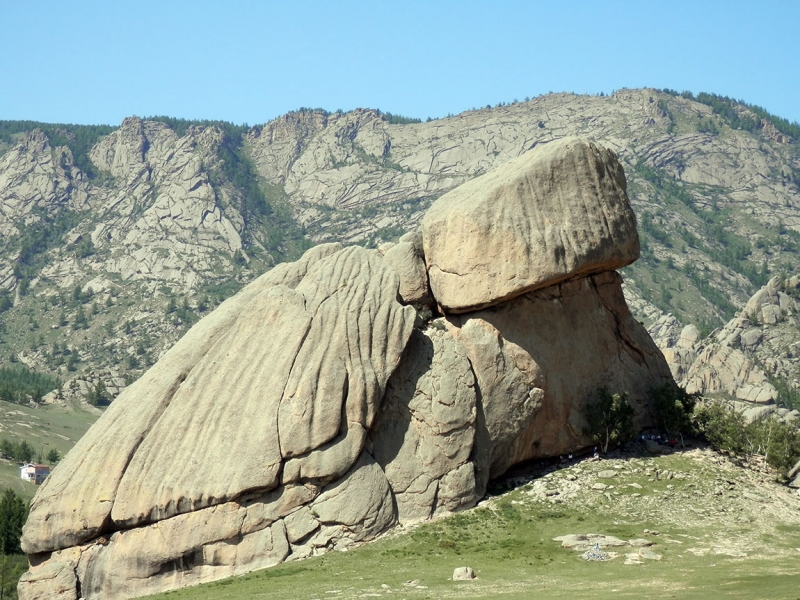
(727, 430)
(673, 409)
(609, 419)
(722, 426)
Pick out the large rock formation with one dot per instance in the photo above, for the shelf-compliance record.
(318, 407)
(158, 212)
(557, 212)
(739, 358)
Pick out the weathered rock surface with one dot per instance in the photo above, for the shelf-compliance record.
(557, 212)
(334, 341)
(317, 408)
(530, 374)
(76, 500)
(736, 360)
(424, 436)
(407, 259)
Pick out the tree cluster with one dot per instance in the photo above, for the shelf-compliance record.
(727, 430)
(610, 420)
(13, 513)
(98, 395)
(674, 409)
(19, 384)
(23, 452)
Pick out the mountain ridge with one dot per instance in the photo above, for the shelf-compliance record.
(175, 215)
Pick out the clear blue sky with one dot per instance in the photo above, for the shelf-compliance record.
(98, 61)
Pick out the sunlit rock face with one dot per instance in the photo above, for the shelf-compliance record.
(326, 401)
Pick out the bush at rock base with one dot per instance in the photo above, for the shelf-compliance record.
(727, 430)
(673, 409)
(609, 419)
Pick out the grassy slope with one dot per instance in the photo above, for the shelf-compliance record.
(44, 428)
(508, 541)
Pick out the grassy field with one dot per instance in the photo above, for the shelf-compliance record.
(721, 532)
(45, 428)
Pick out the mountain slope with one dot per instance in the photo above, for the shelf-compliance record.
(114, 240)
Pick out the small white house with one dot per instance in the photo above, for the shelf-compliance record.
(34, 473)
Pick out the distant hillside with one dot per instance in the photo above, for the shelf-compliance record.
(114, 240)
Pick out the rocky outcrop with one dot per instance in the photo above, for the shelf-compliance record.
(425, 434)
(557, 212)
(37, 178)
(736, 359)
(171, 223)
(158, 211)
(322, 404)
(532, 375)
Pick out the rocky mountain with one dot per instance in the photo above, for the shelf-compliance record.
(116, 240)
(323, 404)
(752, 359)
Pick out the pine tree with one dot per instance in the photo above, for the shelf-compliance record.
(13, 513)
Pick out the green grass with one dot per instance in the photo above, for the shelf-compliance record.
(515, 558)
(508, 542)
(45, 428)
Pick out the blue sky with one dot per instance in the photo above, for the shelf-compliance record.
(100, 61)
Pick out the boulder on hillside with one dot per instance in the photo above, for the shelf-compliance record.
(557, 212)
(317, 408)
(274, 391)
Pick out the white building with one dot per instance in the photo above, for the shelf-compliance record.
(34, 473)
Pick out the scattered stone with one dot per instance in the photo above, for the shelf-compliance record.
(754, 497)
(649, 554)
(596, 554)
(607, 474)
(589, 541)
(463, 574)
(599, 486)
(653, 447)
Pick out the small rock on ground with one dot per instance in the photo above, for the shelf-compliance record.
(463, 574)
